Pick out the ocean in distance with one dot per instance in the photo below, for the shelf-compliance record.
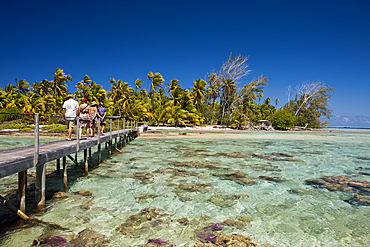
(258, 180)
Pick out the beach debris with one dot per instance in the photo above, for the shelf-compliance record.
(83, 193)
(273, 178)
(359, 200)
(342, 183)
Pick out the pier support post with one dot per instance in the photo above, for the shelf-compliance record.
(22, 184)
(110, 148)
(99, 153)
(58, 166)
(65, 173)
(40, 185)
(86, 166)
(89, 152)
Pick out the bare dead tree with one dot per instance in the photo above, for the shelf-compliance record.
(234, 68)
(309, 90)
(289, 89)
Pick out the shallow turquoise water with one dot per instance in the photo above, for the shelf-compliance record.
(313, 217)
(9, 142)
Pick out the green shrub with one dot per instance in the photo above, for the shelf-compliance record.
(55, 128)
(283, 119)
(10, 114)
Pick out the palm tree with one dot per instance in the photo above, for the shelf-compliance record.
(157, 81)
(22, 86)
(259, 95)
(267, 101)
(276, 102)
(120, 93)
(60, 86)
(178, 115)
(98, 92)
(138, 84)
(228, 91)
(198, 92)
(2, 99)
(174, 83)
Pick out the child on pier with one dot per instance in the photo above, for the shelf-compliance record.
(101, 113)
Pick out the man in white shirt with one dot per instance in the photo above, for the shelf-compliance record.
(70, 111)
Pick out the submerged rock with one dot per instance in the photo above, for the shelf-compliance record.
(359, 200)
(238, 176)
(273, 158)
(184, 221)
(363, 158)
(225, 200)
(83, 193)
(233, 155)
(144, 197)
(234, 223)
(282, 154)
(266, 167)
(59, 195)
(342, 183)
(273, 178)
(88, 237)
(134, 224)
(244, 218)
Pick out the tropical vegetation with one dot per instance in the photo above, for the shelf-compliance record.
(222, 99)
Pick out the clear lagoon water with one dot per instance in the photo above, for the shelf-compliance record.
(183, 175)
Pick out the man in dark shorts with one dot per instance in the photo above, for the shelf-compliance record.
(101, 113)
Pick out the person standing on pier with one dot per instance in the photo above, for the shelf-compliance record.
(70, 111)
(85, 117)
(101, 113)
(93, 110)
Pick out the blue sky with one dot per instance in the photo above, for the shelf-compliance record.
(290, 42)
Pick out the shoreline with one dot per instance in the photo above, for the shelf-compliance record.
(210, 128)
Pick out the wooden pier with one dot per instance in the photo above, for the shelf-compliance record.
(18, 160)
